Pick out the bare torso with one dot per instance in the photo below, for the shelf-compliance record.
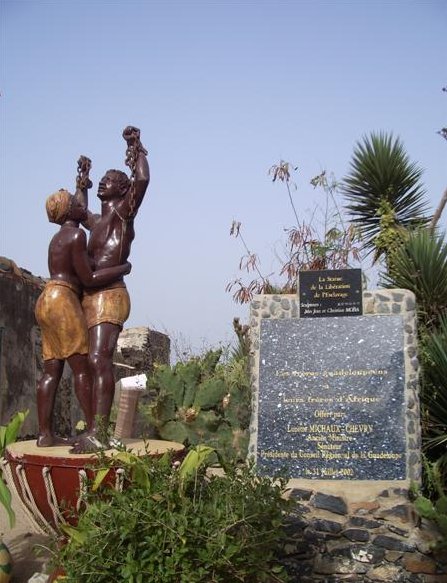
(68, 260)
(110, 239)
(60, 254)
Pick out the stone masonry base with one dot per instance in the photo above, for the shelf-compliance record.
(332, 540)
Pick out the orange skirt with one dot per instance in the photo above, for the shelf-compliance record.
(106, 305)
(61, 319)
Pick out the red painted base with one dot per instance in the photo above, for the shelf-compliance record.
(49, 480)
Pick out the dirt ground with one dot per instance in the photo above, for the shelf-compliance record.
(28, 546)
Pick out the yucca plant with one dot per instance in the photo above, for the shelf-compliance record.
(420, 265)
(434, 394)
(384, 192)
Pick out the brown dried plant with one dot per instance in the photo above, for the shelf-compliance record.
(334, 246)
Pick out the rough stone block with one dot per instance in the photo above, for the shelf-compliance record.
(418, 563)
(138, 349)
(356, 534)
(326, 525)
(334, 504)
(386, 573)
(394, 544)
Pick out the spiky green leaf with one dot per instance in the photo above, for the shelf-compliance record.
(380, 171)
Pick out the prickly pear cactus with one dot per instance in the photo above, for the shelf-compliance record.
(203, 401)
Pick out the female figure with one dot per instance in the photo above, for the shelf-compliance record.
(58, 309)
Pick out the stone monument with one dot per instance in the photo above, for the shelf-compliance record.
(336, 397)
(336, 410)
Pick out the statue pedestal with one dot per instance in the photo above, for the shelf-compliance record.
(51, 482)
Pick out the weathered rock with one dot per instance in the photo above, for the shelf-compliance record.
(360, 521)
(417, 563)
(386, 573)
(138, 350)
(356, 534)
(300, 494)
(393, 544)
(325, 565)
(326, 525)
(334, 504)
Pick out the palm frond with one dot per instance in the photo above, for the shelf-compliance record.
(420, 265)
(434, 393)
(381, 172)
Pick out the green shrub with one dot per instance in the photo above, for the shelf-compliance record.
(180, 525)
(434, 505)
(203, 401)
(8, 435)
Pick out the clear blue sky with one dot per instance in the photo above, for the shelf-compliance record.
(221, 91)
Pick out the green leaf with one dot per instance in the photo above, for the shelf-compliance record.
(277, 569)
(2, 439)
(195, 458)
(206, 421)
(441, 505)
(167, 382)
(420, 265)
(441, 521)
(381, 172)
(9, 432)
(163, 410)
(190, 374)
(5, 501)
(77, 535)
(99, 478)
(126, 457)
(140, 477)
(210, 361)
(424, 507)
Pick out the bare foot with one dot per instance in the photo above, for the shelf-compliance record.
(87, 444)
(50, 440)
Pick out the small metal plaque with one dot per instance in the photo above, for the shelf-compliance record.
(333, 292)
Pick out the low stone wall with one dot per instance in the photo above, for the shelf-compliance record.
(138, 350)
(380, 539)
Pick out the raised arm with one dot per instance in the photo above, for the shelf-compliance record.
(81, 264)
(83, 184)
(136, 159)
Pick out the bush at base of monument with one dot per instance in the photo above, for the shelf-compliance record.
(203, 401)
(182, 525)
(8, 435)
(433, 508)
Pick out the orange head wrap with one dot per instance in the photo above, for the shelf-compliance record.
(58, 206)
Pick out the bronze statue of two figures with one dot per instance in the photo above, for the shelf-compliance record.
(85, 303)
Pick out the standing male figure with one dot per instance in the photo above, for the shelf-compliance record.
(58, 309)
(107, 308)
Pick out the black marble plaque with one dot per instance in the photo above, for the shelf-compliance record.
(331, 398)
(334, 292)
